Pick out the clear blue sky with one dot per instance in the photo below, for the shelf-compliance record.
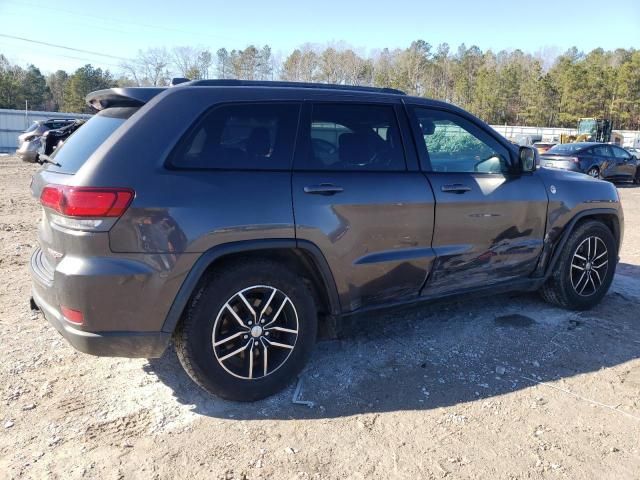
(120, 28)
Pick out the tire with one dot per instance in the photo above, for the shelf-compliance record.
(568, 291)
(594, 172)
(241, 376)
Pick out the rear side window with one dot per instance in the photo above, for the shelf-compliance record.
(566, 148)
(354, 137)
(241, 137)
(76, 150)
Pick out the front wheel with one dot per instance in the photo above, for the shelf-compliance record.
(249, 331)
(585, 269)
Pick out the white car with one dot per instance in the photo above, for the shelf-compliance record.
(634, 151)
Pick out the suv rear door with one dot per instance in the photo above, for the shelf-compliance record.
(358, 195)
(489, 223)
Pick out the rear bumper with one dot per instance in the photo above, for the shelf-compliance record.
(107, 344)
(28, 151)
(145, 344)
(29, 156)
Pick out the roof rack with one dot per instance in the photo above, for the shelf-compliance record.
(264, 83)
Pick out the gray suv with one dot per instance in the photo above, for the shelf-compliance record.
(233, 217)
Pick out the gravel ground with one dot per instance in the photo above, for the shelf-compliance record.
(502, 387)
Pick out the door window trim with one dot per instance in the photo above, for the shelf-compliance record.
(303, 142)
(421, 148)
(169, 165)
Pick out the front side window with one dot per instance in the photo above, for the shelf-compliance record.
(454, 144)
(353, 137)
(620, 153)
(241, 137)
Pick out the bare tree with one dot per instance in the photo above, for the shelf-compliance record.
(205, 60)
(149, 67)
(224, 63)
(301, 66)
(355, 69)
(265, 65)
(186, 62)
(330, 71)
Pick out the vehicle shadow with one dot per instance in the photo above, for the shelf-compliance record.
(442, 354)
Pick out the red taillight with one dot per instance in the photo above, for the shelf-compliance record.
(575, 159)
(86, 201)
(73, 316)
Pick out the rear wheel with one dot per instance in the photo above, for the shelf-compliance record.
(585, 269)
(594, 172)
(248, 332)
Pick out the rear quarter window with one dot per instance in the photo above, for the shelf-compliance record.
(77, 149)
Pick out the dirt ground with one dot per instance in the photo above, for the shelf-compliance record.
(500, 387)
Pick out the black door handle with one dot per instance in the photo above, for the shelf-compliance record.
(323, 189)
(455, 188)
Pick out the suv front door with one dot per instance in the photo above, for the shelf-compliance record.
(606, 160)
(359, 196)
(489, 222)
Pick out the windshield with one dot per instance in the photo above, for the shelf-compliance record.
(587, 126)
(565, 148)
(75, 151)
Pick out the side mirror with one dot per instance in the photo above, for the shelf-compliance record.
(528, 157)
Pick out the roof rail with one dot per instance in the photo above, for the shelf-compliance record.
(268, 83)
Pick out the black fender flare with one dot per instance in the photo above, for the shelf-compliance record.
(551, 253)
(207, 258)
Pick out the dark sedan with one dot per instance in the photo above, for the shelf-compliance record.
(598, 160)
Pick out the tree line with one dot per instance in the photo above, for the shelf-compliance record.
(505, 87)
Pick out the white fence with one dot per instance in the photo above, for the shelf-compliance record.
(631, 137)
(14, 122)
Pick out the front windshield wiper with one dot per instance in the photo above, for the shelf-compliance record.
(47, 159)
